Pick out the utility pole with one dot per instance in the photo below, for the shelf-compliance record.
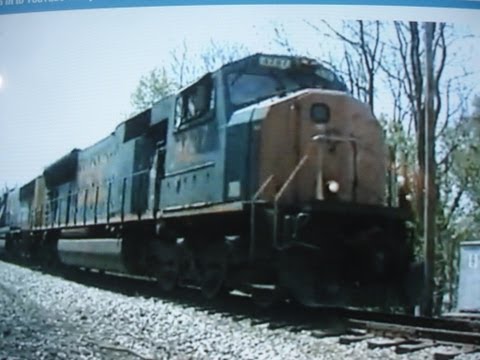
(430, 166)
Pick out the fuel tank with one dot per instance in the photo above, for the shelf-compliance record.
(104, 254)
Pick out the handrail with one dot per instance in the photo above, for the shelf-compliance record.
(291, 177)
(333, 137)
(262, 188)
(252, 215)
(300, 164)
(57, 220)
(280, 193)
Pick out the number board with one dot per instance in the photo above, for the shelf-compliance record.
(275, 62)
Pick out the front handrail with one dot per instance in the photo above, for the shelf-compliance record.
(280, 193)
(300, 164)
(252, 215)
(290, 178)
(278, 196)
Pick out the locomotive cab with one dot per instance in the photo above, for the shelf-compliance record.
(314, 173)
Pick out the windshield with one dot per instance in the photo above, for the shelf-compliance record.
(247, 88)
(315, 78)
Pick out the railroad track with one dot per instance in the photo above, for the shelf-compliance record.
(409, 333)
(404, 333)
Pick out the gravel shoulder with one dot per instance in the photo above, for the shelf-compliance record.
(45, 317)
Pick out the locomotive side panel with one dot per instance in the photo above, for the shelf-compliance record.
(242, 148)
(194, 163)
(13, 214)
(60, 182)
(96, 175)
(58, 205)
(32, 200)
(143, 153)
(26, 199)
(161, 115)
(38, 205)
(3, 210)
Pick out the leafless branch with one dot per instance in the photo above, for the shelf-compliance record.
(453, 207)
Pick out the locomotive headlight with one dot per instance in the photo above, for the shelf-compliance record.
(320, 113)
(333, 186)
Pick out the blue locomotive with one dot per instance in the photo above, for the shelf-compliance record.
(264, 176)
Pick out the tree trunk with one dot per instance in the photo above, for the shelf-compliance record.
(430, 189)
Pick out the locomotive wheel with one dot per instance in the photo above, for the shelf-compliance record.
(167, 275)
(48, 252)
(212, 268)
(167, 265)
(212, 279)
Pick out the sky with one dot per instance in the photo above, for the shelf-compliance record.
(67, 76)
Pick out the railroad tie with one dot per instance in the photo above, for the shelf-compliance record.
(411, 347)
(350, 339)
(384, 343)
(452, 353)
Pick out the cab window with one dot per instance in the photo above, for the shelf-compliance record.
(195, 102)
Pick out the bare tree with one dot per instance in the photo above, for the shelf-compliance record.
(217, 54)
(184, 67)
(363, 51)
(410, 53)
(450, 103)
(373, 54)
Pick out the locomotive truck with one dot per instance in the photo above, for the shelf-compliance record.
(265, 175)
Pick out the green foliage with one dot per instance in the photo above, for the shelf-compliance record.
(458, 212)
(183, 68)
(402, 160)
(151, 88)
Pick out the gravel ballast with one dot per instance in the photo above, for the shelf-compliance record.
(47, 317)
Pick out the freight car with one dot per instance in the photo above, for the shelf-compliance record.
(265, 175)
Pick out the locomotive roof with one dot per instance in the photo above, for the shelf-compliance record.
(245, 61)
(256, 56)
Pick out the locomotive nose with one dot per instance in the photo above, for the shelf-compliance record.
(349, 155)
(322, 145)
(335, 156)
